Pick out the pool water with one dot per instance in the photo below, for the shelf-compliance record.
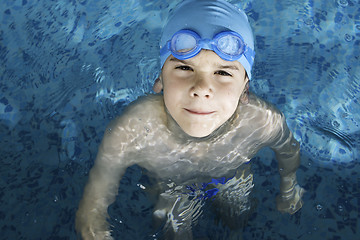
(68, 67)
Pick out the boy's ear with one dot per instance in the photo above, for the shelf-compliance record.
(157, 87)
(244, 98)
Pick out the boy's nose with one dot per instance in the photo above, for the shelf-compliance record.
(201, 89)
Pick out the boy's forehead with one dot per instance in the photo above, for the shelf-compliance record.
(211, 59)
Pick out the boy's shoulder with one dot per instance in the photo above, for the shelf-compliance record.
(261, 120)
(145, 109)
(262, 106)
(144, 114)
(152, 104)
(259, 113)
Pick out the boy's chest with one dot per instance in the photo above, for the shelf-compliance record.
(163, 153)
(185, 162)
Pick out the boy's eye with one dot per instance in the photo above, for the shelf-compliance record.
(223, 73)
(184, 68)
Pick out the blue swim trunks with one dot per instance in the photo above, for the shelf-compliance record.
(205, 192)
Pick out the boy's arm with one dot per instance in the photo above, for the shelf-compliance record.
(287, 151)
(102, 186)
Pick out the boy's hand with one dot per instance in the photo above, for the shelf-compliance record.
(290, 202)
(98, 236)
(91, 226)
(88, 233)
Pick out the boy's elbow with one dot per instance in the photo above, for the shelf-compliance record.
(290, 149)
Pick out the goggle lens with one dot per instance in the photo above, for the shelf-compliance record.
(183, 43)
(230, 45)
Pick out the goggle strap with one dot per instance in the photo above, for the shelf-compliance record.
(249, 55)
(165, 48)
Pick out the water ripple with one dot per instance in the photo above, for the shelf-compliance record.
(333, 132)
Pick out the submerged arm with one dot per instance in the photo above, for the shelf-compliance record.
(287, 151)
(101, 189)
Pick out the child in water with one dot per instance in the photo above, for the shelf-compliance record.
(196, 138)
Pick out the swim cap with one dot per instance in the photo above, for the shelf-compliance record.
(207, 18)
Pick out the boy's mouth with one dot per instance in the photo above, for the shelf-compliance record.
(197, 112)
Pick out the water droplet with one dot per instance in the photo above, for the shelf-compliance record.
(53, 113)
(309, 21)
(343, 3)
(341, 208)
(336, 124)
(348, 37)
(319, 207)
(141, 186)
(147, 129)
(118, 220)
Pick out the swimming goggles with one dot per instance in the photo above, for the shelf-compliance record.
(228, 45)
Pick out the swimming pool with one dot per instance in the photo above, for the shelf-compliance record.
(68, 67)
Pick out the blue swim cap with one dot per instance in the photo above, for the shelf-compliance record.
(207, 18)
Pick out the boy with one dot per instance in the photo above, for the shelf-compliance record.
(197, 137)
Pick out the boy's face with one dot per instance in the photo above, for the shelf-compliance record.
(203, 92)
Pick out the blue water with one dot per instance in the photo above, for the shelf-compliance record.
(68, 67)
